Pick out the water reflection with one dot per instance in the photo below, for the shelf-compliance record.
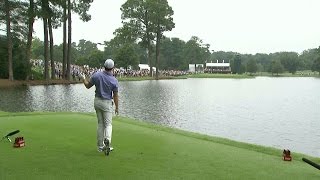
(278, 112)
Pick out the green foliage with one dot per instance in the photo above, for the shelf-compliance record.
(195, 52)
(172, 54)
(126, 34)
(307, 58)
(18, 16)
(36, 73)
(236, 67)
(252, 66)
(20, 64)
(260, 67)
(276, 67)
(316, 65)
(82, 7)
(126, 56)
(95, 59)
(3, 58)
(161, 16)
(289, 60)
(146, 20)
(137, 13)
(85, 47)
(221, 55)
(264, 60)
(37, 49)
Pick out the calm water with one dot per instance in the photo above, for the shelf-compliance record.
(276, 112)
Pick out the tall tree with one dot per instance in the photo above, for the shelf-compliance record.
(31, 17)
(252, 66)
(81, 7)
(316, 63)
(195, 52)
(45, 16)
(289, 60)
(69, 42)
(54, 17)
(9, 38)
(236, 68)
(13, 16)
(276, 67)
(64, 61)
(172, 53)
(161, 17)
(51, 48)
(137, 14)
(307, 58)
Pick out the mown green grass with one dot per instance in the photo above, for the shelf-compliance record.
(63, 146)
(210, 75)
(306, 73)
(149, 78)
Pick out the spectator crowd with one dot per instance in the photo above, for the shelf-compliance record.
(77, 70)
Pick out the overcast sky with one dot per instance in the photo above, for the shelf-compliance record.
(244, 26)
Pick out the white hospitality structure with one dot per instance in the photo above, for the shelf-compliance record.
(195, 68)
(218, 67)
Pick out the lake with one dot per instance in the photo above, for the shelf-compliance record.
(275, 112)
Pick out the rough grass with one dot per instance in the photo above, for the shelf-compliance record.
(63, 146)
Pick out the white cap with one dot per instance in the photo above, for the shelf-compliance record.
(109, 64)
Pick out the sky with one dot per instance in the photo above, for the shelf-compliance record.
(243, 26)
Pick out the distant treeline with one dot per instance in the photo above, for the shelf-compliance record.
(175, 54)
(140, 39)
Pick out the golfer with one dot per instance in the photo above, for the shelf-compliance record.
(106, 93)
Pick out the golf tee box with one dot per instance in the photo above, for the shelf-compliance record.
(19, 142)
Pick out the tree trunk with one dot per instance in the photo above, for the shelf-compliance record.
(29, 41)
(158, 52)
(149, 57)
(148, 41)
(64, 61)
(51, 49)
(69, 41)
(45, 38)
(45, 34)
(9, 39)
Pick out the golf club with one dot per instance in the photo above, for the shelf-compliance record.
(311, 163)
(10, 134)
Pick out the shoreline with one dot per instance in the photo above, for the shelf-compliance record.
(6, 83)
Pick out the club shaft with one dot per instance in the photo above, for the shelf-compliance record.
(311, 163)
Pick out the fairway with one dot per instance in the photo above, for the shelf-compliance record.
(63, 146)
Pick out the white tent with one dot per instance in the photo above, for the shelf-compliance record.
(145, 67)
(193, 67)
